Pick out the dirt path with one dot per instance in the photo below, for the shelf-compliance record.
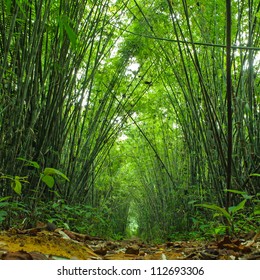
(41, 244)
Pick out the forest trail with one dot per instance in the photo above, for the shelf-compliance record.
(130, 117)
(58, 244)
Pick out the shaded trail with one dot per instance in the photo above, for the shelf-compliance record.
(48, 243)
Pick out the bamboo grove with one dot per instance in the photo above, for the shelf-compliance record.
(148, 107)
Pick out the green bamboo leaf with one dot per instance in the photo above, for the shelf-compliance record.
(257, 208)
(246, 196)
(4, 198)
(216, 215)
(235, 191)
(48, 180)
(192, 202)
(6, 177)
(21, 179)
(234, 209)
(255, 174)
(4, 204)
(53, 171)
(216, 208)
(71, 34)
(30, 162)
(20, 5)
(8, 6)
(3, 215)
(64, 25)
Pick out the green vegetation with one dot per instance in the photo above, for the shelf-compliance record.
(121, 118)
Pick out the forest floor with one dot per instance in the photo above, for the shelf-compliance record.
(42, 243)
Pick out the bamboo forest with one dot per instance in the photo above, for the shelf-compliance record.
(128, 124)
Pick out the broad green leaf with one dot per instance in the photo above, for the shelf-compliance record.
(234, 209)
(48, 180)
(17, 186)
(216, 208)
(53, 171)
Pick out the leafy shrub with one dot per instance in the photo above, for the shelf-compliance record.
(12, 213)
(238, 217)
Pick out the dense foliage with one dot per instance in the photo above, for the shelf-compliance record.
(130, 117)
